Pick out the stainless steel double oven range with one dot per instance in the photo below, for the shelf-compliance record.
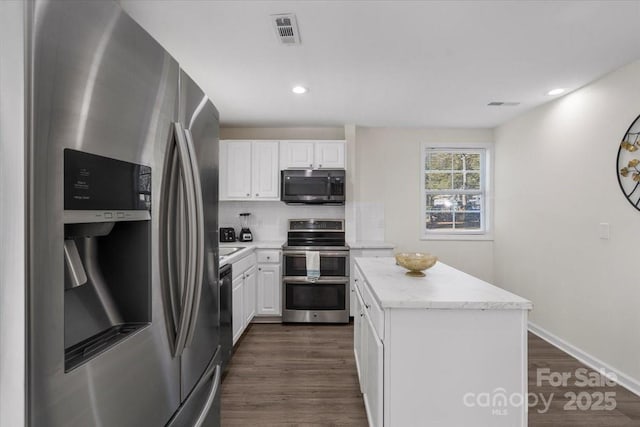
(325, 300)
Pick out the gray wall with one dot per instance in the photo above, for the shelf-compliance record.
(12, 215)
(555, 183)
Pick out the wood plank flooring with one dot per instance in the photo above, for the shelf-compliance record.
(285, 375)
(543, 355)
(305, 375)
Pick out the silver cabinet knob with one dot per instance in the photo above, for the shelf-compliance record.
(268, 257)
(320, 165)
(259, 269)
(257, 194)
(248, 194)
(310, 165)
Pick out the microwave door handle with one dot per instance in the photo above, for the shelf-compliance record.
(328, 187)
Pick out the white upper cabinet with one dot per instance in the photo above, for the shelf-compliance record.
(235, 169)
(312, 154)
(265, 171)
(329, 154)
(296, 154)
(249, 170)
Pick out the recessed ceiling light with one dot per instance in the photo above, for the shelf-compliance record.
(557, 91)
(299, 90)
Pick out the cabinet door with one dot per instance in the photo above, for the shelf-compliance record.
(357, 336)
(329, 155)
(265, 170)
(237, 167)
(269, 286)
(296, 154)
(249, 294)
(237, 312)
(375, 374)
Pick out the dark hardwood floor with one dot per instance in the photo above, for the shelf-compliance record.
(285, 375)
(299, 375)
(564, 410)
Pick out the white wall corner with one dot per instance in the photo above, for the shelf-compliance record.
(624, 380)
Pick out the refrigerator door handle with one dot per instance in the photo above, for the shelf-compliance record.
(170, 272)
(212, 396)
(199, 236)
(180, 196)
(170, 251)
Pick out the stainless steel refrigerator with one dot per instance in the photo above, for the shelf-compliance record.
(123, 298)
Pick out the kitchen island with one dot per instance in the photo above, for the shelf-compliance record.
(446, 349)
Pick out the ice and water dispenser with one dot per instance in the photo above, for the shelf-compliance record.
(107, 253)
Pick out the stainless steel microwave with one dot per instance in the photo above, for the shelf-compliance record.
(313, 186)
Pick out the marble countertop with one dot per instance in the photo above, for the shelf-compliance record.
(364, 244)
(265, 244)
(443, 287)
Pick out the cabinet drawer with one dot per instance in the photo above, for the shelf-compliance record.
(376, 314)
(241, 266)
(268, 256)
(358, 280)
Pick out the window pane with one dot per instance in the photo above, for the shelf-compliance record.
(439, 161)
(469, 202)
(439, 220)
(441, 202)
(458, 161)
(472, 181)
(458, 181)
(438, 181)
(473, 162)
(458, 202)
(467, 220)
(466, 161)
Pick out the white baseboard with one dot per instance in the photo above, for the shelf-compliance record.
(624, 380)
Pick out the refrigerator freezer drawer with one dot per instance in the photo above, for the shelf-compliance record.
(202, 406)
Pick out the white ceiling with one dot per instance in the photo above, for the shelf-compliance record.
(391, 63)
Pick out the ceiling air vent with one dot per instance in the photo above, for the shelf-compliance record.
(502, 104)
(286, 28)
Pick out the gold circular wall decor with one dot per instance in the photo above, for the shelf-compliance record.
(628, 165)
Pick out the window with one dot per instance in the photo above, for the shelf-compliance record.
(455, 191)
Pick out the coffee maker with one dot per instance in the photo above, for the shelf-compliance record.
(245, 233)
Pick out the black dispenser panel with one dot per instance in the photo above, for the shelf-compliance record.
(93, 182)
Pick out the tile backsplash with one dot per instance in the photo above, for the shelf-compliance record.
(268, 220)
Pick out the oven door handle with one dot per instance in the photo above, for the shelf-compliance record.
(321, 281)
(344, 254)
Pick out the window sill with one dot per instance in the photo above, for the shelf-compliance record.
(486, 237)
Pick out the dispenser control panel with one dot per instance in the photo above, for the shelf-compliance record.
(97, 183)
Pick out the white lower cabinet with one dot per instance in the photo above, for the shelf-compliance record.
(243, 294)
(269, 288)
(237, 320)
(375, 372)
(417, 366)
(249, 300)
(362, 252)
(358, 345)
(369, 354)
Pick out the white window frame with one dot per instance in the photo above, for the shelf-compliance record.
(486, 178)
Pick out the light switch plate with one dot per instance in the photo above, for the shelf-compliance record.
(604, 230)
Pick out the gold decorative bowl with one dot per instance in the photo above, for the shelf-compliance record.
(416, 262)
